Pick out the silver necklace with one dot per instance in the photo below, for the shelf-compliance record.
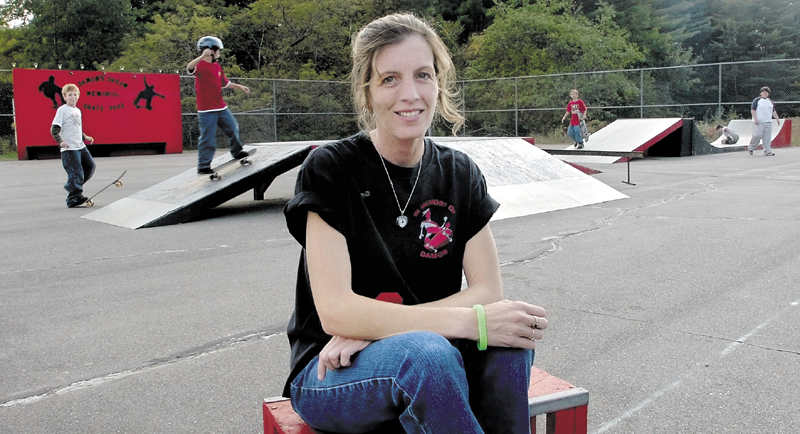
(402, 220)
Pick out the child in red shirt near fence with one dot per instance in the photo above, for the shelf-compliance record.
(211, 108)
(576, 108)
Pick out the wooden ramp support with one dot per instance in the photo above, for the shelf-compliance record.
(626, 156)
(565, 405)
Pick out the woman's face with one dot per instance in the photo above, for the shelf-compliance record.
(403, 89)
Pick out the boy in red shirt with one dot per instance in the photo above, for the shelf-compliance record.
(211, 108)
(578, 110)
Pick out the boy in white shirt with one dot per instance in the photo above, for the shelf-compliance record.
(67, 130)
(763, 110)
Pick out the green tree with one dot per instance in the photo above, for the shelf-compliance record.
(547, 37)
(769, 32)
(169, 41)
(70, 32)
(284, 38)
(472, 15)
(687, 22)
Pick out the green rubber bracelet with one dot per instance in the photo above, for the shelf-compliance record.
(483, 340)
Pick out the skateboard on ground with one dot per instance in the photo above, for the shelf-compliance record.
(243, 161)
(117, 183)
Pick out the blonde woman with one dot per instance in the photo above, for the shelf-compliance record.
(382, 335)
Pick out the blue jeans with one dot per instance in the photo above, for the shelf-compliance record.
(79, 166)
(207, 143)
(574, 132)
(422, 382)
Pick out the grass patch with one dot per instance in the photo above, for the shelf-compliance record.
(8, 148)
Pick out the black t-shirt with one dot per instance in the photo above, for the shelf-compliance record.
(346, 184)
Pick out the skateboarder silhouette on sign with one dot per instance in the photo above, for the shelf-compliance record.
(50, 90)
(147, 94)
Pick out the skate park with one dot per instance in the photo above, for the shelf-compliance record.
(666, 262)
(669, 304)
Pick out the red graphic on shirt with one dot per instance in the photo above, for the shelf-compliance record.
(390, 297)
(436, 236)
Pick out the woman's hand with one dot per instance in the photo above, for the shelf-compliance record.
(337, 353)
(514, 324)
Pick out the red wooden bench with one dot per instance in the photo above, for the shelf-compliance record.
(565, 405)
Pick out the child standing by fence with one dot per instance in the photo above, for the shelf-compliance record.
(577, 109)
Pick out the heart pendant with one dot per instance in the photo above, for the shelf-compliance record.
(402, 221)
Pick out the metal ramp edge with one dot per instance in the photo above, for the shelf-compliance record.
(187, 195)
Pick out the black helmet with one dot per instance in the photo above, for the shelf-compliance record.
(209, 42)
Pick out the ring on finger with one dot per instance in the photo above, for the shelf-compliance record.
(533, 334)
(535, 324)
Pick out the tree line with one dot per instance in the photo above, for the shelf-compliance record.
(310, 40)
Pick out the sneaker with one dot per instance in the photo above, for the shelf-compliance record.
(750, 152)
(769, 154)
(241, 154)
(580, 145)
(204, 171)
(575, 144)
(78, 202)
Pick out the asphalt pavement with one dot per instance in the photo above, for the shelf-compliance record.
(678, 309)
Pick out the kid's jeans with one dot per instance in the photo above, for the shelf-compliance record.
(574, 132)
(432, 385)
(79, 166)
(207, 143)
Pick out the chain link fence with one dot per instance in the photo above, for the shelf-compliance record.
(532, 106)
(278, 110)
(291, 110)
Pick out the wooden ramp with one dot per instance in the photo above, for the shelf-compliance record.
(626, 135)
(185, 196)
(526, 180)
(666, 137)
(523, 178)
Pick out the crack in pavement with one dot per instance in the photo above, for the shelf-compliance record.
(719, 338)
(138, 255)
(602, 223)
(191, 353)
(740, 341)
(689, 375)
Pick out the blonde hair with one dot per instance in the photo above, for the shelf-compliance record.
(390, 30)
(70, 88)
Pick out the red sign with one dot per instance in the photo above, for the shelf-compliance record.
(133, 109)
